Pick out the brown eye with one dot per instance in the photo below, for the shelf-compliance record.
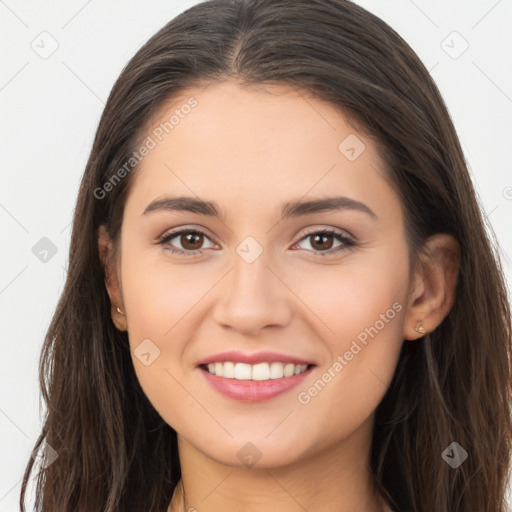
(322, 242)
(190, 240)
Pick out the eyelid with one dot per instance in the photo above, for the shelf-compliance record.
(187, 228)
(331, 229)
(168, 235)
(311, 230)
(347, 239)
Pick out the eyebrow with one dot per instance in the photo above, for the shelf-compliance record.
(290, 209)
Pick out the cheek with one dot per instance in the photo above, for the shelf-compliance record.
(158, 293)
(355, 301)
(358, 325)
(364, 314)
(157, 299)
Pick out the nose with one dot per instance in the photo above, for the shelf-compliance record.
(253, 296)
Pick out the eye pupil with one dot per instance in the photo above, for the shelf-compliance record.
(187, 237)
(321, 235)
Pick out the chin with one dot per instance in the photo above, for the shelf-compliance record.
(254, 451)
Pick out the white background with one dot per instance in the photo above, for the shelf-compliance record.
(50, 109)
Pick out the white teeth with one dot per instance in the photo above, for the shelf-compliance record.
(288, 370)
(276, 371)
(260, 371)
(229, 370)
(242, 371)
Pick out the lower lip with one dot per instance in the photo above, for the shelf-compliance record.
(254, 390)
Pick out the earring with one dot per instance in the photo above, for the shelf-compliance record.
(419, 327)
(119, 311)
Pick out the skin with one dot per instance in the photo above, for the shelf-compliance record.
(250, 150)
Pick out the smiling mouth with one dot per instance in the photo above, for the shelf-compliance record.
(255, 372)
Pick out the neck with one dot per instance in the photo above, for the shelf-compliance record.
(336, 480)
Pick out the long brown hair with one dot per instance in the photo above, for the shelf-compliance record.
(115, 453)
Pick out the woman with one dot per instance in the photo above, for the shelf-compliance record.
(208, 353)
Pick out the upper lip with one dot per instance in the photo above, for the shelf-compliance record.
(257, 357)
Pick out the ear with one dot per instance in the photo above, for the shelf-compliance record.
(432, 293)
(112, 282)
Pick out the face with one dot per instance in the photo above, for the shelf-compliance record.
(319, 293)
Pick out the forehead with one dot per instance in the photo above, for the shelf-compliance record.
(251, 147)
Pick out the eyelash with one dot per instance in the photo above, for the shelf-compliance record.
(347, 243)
